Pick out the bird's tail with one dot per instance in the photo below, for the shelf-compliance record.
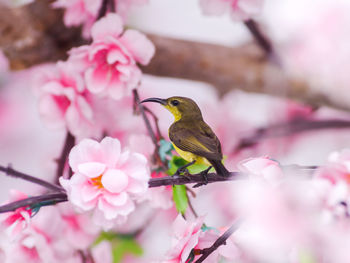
(219, 168)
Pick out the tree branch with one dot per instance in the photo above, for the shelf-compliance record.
(52, 198)
(151, 133)
(13, 173)
(194, 179)
(259, 37)
(220, 241)
(68, 145)
(290, 128)
(39, 36)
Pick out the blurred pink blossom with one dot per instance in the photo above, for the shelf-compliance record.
(262, 167)
(47, 239)
(239, 9)
(332, 182)
(78, 230)
(79, 12)
(85, 12)
(15, 222)
(63, 98)
(102, 252)
(110, 61)
(106, 180)
(189, 235)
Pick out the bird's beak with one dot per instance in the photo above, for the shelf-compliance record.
(158, 100)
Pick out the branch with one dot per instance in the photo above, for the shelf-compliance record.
(103, 9)
(61, 196)
(194, 179)
(290, 128)
(13, 173)
(68, 145)
(39, 36)
(151, 133)
(220, 241)
(51, 198)
(140, 107)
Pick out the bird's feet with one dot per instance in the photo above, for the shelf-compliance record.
(205, 177)
(183, 171)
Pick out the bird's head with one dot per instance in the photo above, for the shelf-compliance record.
(180, 107)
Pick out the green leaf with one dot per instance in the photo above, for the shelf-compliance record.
(165, 149)
(125, 246)
(108, 236)
(197, 168)
(180, 198)
(121, 245)
(176, 162)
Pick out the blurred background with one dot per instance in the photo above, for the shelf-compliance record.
(292, 106)
(310, 37)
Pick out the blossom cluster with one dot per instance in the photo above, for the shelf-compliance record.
(78, 94)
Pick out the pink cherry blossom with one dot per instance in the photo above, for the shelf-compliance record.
(106, 180)
(110, 62)
(261, 167)
(188, 235)
(18, 220)
(63, 98)
(332, 182)
(79, 12)
(85, 12)
(78, 230)
(239, 9)
(160, 197)
(47, 239)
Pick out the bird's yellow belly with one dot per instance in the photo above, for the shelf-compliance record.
(190, 157)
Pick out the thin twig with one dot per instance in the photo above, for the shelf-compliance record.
(156, 122)
(138, 106)
(146, 120)
(112, 6)
(16, 174)
(220, 241)
(259, 37)
(290, 128)
(51, 197)
(191, 207)
(191, 192)
(103, 9)
(61, 163)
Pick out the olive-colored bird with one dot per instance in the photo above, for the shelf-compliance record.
(192, 138)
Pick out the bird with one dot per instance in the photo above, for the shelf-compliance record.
(191, 137)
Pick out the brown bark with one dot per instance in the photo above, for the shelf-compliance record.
(35, 33)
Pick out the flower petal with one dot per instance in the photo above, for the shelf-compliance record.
(114, 181)
(141, 48)
(111, 24)
(91, 169)
(97, 79)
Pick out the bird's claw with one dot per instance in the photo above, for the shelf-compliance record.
(205, 177)
(183, 171)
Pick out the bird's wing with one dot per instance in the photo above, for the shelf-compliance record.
(199, 140)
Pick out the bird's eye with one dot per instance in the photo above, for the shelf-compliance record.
(174, 102)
